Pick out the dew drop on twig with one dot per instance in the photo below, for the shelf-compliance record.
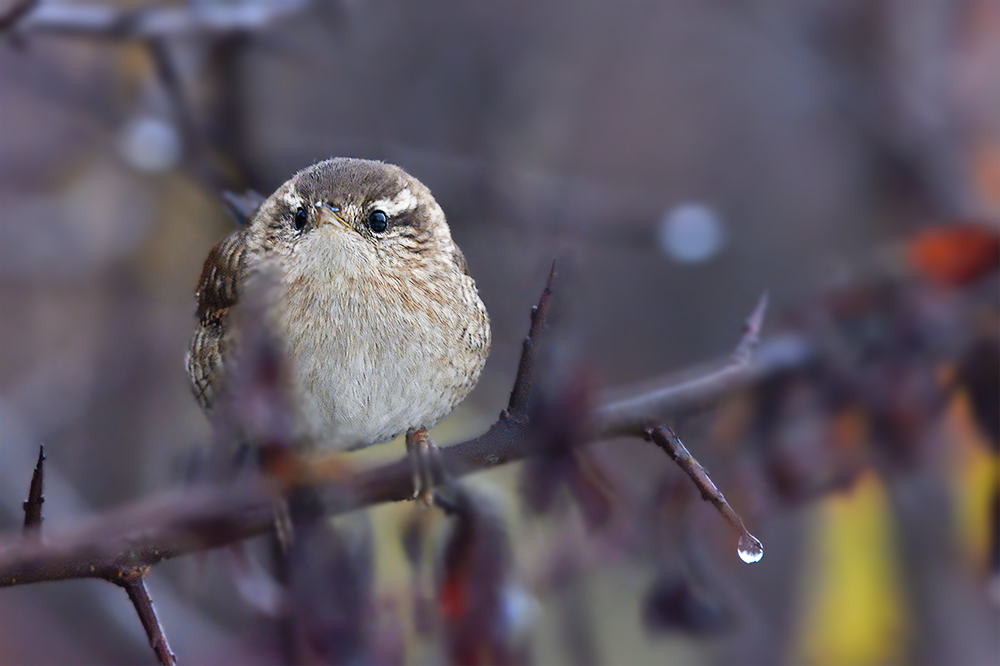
(750, 549)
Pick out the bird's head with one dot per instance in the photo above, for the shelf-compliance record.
(346, 215)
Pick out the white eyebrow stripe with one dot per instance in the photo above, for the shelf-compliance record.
(402, 202)
(292, 199)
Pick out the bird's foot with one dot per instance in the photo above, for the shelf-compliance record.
(425, 459)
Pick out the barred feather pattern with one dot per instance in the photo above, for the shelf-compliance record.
(385, 332)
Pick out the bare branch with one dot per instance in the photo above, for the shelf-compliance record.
(170, 79)
(750, 549)
(121, 543)
(136, 589)
(33, 505)
(634, 414)
(16, 14)
(111, 22)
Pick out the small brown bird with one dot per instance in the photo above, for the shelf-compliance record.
(379, 320)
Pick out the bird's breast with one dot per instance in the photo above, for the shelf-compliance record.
(374, 355)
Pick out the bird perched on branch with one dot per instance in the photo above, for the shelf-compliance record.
(373, 307)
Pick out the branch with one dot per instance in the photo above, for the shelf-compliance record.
(120, 543)
(16, 14)
(110, 22)
(750, 549)
(635, 414)
(136, 589)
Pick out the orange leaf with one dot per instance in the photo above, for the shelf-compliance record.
(956, 254)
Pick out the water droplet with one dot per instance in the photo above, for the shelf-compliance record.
(750, 549)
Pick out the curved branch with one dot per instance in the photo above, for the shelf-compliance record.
(120, 543)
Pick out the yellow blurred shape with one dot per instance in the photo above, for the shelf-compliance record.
(852, 607)
(974, 472)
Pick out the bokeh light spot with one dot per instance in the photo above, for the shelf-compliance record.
(691, 233)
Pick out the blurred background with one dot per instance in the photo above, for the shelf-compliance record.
(679, 158)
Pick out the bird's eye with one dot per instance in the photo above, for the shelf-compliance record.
(301, 217)
(377, 221)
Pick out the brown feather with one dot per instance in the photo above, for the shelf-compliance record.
(217, 293)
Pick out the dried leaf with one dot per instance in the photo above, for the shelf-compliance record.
(255, 415)
(560, 419)
(979, 373)
(479, 600)
(675, 604)
(956, 254)
(330, 571)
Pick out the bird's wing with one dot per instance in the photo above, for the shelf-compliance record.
(217, 293)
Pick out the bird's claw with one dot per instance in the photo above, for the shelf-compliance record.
(426, 463)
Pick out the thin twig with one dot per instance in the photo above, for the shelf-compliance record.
(15, 14)
(750, 549)
(635, 414)
(110, 22)
(197, 149)
(33, 505)
(170, 79)
(135, 586)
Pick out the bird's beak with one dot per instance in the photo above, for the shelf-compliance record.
(328, 214)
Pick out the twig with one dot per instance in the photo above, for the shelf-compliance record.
(170, 79)
(136, 588)
(110, 22)
(15, 14)
(635, 414)
(750, 549)
(33, 505)
(196, 147)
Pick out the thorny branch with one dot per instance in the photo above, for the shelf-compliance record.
(198, 519)
(633, 415)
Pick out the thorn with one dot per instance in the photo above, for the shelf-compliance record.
(518, 403)
(751, 332)
(33, 505)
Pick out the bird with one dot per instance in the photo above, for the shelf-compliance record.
(376, 316)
